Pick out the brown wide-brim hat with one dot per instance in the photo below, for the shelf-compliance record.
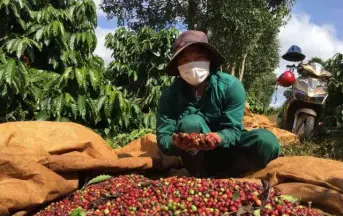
(187, 39)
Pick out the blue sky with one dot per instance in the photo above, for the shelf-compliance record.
(316, 26)
(323, 12)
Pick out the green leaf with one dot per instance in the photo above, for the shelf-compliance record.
(68, 99)
(80, 77)
(38, 15)
(58, 104)
(1, 73)
(31, 53)
(126, 120)
(9, 71)
(9, 44)
(289, 198)
(20, 48)
(78, 212)
(46, 41)
(14, 46)
(100, 178)
(236, 196)
(108, 106)
(135, 76)
(6, 2)
(53, 62)
(101, 102)
(66, 73)
(121, 102)
(72, 42)
(55, 27)
(42, 116)
(20, 2)
(37, 92)
(34, 28)
(39, 34)
(83, 37)
(15, 10)
(94, 77)
(279, 201)
(61, 29)
(4, 91)
(74, 109)
(81, 105)
(92, 109)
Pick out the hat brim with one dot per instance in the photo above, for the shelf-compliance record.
(293, 56)
(216, 58)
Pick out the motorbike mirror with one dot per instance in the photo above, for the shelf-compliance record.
(287, 93)
(294, 54)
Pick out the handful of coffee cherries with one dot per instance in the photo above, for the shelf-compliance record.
(199, 141)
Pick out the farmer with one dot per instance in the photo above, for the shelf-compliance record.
(205, 100)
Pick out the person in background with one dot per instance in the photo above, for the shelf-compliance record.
(205, 100)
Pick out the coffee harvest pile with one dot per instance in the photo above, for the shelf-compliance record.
(137, 195)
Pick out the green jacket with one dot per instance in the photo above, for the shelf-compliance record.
(222, 106)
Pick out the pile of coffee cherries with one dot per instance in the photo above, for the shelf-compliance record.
(137, 195)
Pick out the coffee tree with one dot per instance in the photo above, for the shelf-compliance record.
(140, 58)
(335, 101)
(333, 115)
(48, 70)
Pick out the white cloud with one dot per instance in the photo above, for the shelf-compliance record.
(314, 40)
(100, 48)
(101, 33)
(99, 12)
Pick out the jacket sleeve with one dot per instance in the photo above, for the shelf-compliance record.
(231, 124)
(166, 121)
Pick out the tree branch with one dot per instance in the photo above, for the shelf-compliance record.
(181, 8)
(241, 73)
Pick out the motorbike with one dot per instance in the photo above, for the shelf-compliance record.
(307, 97)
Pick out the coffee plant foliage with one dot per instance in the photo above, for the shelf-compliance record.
(48, 70)
(333, 113)
(140, 58)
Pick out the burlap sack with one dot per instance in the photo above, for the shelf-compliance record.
(309, 179)
(252, 121)
(41, 161)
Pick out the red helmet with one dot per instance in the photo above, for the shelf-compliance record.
(286, 79)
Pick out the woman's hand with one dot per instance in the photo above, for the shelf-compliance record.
(213, 140)
(182, 141)
(186, 141)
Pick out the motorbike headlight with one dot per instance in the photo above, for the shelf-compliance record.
(303, 80)
(321, 84)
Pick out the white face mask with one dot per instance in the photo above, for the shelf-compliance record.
(195, 72)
